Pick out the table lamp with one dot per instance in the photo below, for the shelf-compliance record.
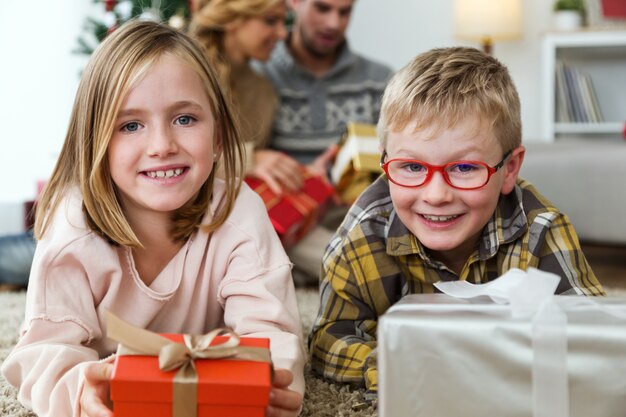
(487, 21)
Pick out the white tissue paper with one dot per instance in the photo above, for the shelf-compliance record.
(506, 348)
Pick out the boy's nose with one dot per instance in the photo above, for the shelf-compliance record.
(437, 191)
(162, 143)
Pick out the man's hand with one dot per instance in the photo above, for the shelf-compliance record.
(94, 399)
(283, 402)
(278, 170)
(322, 163)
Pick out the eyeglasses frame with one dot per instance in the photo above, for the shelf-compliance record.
(441, 168)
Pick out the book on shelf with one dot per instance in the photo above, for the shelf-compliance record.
(576, 100)
(593, 98)
(564, 113)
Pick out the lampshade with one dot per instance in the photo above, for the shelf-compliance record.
(488, 20)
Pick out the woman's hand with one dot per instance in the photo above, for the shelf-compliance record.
(283, 401)
(94, 399)
(278, 170)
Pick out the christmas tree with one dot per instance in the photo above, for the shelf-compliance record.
(114, 13)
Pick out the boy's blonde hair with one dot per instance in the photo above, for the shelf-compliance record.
(211, 18)
(443, 86)
(116, 66)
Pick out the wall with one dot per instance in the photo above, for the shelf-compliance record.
(38, 80)
(394, 31)
(39, 75)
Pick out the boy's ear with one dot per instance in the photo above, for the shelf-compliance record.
(511, 169)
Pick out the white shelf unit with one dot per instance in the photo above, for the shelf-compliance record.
(602, 55)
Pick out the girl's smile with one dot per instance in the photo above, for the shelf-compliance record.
(162, 149)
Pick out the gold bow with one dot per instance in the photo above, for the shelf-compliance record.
(172, 355)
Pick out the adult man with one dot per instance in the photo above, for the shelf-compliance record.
(322, 85)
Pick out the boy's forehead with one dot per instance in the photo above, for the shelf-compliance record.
(469, 133)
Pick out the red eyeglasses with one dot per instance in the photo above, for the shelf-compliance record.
(463, 175)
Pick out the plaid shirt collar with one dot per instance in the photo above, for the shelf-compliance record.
(507, 224)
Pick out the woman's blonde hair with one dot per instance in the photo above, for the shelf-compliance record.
(116, 66)
(443, 86)
(210, 19)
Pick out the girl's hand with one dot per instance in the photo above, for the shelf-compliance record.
(283, 401)
(94, 399)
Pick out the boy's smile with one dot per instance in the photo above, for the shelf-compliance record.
(446, 220)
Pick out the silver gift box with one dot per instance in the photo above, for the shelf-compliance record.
(439, 356)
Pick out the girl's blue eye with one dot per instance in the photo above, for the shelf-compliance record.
(131, 127)
(185, 120)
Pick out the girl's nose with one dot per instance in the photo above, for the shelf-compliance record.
(162, 143)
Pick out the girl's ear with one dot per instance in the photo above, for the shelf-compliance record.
(218, 144)
(511, 169)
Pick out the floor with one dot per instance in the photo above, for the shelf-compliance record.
(608, 263)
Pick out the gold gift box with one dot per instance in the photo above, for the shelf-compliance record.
(357, 163)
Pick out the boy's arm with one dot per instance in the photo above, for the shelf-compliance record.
(561, 254)
(343, 340)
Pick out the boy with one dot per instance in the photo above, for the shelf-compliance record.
(450, 207)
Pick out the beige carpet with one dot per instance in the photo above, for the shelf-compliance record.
(322, 399)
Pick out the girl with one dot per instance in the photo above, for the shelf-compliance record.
(134, 221)
(233, 32)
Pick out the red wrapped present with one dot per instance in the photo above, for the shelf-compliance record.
(209, 375)
(293, 215)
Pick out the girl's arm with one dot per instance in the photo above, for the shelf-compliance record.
(47, 367)
(257, 291)
(61, 328)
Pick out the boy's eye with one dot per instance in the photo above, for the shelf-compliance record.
(184, 120)
(463, 168)
(413, 167)
(131, 127)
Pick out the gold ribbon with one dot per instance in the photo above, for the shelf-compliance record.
(172, 355)
(301, 201)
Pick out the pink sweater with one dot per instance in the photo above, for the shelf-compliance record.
(238, 277)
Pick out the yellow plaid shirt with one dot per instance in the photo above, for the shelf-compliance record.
(373, 260)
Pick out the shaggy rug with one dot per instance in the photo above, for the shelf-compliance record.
(322, 399)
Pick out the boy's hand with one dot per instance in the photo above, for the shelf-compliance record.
(94, 399)
(283, 402)
(277, 170)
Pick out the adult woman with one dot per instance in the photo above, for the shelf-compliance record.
(233, 32)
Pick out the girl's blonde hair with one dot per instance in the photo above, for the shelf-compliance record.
(210, 19)
(116, 66)
(441, 87)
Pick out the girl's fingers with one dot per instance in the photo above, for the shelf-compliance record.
(282, 378)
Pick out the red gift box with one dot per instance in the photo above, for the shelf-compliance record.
(225, 387)
(293, 215)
